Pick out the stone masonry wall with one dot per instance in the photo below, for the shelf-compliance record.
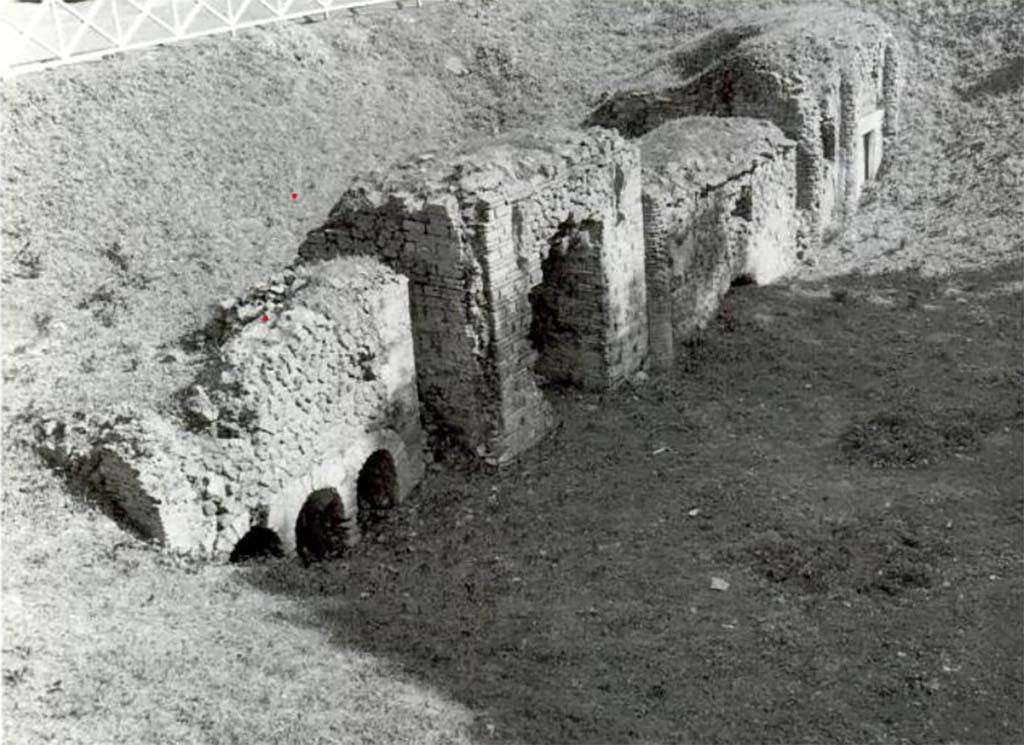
(720, 201)
(475, 235)
(285, 406)
(810, 71)
(464, 285)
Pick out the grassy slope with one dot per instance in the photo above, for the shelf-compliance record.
(299, 108)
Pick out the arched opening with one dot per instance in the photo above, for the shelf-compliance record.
(376, 487)
(323, 531)
(259, 543)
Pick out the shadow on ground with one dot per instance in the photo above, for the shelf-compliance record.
(844, 455)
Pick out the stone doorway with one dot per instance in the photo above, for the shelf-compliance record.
(568, 307)
(868, 146)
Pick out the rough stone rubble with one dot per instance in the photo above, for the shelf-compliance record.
(284, 407)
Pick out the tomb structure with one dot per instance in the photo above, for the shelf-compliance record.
(445, 294)
(719, 198)
(525, 260)
(829, 78)
(318, 401)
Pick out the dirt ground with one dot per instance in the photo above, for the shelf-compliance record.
(844, 449)
(830, 451)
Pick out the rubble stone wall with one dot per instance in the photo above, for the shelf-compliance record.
(298, 401)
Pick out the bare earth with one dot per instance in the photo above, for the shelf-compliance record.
(844, 448)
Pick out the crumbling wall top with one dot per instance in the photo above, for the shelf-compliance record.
(308, 346)
(706, 150)
(494, 170)
(803, 49)
(807, 42)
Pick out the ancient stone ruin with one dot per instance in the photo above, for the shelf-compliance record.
(719, 200)
(525, 260)
(442, 297)
(829, 78)
(317, 402)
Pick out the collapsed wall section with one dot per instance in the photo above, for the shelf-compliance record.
(525, 262)
(139, 468)
(720, 204)
(310, 377)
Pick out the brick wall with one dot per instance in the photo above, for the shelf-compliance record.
(474, 234)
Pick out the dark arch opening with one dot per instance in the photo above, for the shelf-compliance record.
(323, 531)
(259, 543)
(828, 137)
(376, 487)
(567, 308)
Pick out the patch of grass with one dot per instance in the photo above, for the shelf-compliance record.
(28, 263)
(869, 556)
(105, 303)
(911, 438)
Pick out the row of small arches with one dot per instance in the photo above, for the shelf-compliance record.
(323, 529)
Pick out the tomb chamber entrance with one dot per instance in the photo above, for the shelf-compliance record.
(376, 487)
(323, 530)
(568, 308)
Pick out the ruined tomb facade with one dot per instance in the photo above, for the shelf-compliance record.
(829, 78)
(525, 260)
(719, 199)
(315, 405)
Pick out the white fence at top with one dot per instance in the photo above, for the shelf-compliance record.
(37, 34)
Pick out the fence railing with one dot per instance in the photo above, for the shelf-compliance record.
(37, 34)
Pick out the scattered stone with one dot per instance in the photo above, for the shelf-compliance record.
(249, 312)
(456, 66)
(717, 583)
(215, 487)
(200, 408)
